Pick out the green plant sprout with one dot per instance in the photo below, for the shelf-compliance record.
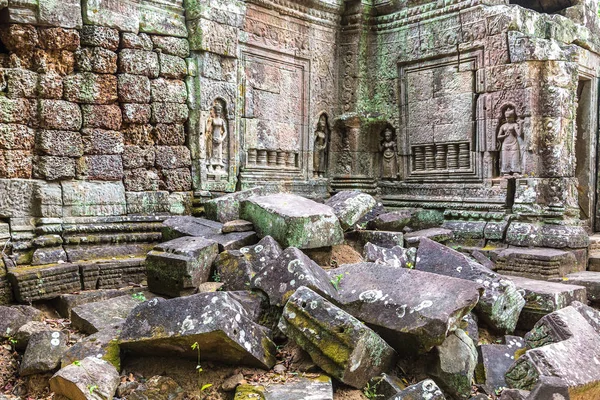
(336, 281)
(92, 388)
(370, 391)
(139, 296)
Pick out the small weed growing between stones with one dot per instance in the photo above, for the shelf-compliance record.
(370, 391)
(216, 277)
(336, 281)
(139, 296)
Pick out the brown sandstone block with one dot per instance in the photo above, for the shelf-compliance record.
(100, 167)
(139, 62)
(59, 39)
(102, 36)
(177, 180)
(16, 137)
(59, 143)
(173, 157)
(15, 164)
(168, 91)
(50, 86)
(169, 135)
(87, 87)
(138, 42)
(141, 180)
(172, 67)
(54, 168)
(101, 116)
(134, 113)
(169, 113)
(96, 59)
(100, 141)
(138, 157)
(133, 88)
(138, 134)
(59, 114)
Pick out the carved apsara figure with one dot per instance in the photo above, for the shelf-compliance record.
(389, 152)
(320, 148)
(510, 138)
(216, 132)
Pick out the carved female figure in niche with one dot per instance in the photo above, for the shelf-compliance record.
(389, 152)
(510, 138)
(216, 132)
(320, 148)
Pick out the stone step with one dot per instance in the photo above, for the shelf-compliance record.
(589, 279)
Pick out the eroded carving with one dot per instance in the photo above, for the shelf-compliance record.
(216, 134)
(510, 141)
(321, 147)
(389, 154)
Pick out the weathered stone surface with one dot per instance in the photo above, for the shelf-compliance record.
(293, 220)
(280, 278)
(15, 164)
(171, 45)
(39, 283)
(90, 88)
(101, 116)
(544, 235)
(15, 111)
(237, 225)
(387, 239)
(168, 91)
(391, 221)
(74, 381)
(138, 157)
(59, 143)
(43, 352)
(133, 88)
(16, 137)
(96, 59)
(92, 35)
(426, 389)
(100, 167)
(82, 199)
(455, 364)
(218, 323)
(103, 345)
(494, 362)
(156, 388)
(172, 67)
(169, 113)
(562, 345)
(351, 206)
(235, 240)
(175, 227)
(49, 255)
(59, 115)
(500, 304)
(137, 114)
(66, 302)
(132, 41)
(139, 62)
(542, 298)
(100, 141)
(536, 263)
(319, 388)
(13, 318)
(169, 134)
(173, 157)
(588, 279)
(177, 179)
(412, 310)
(54, 168)
(227, 208)
(439, 235)
(94, 317)
(180, 264)
(24, 333)
(50, 86)
(339, 343)
(396, 256)
(21, 83)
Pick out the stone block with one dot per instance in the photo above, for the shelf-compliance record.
(138, 134)
(173, 157)
(48, 200)
(100, 141)
(59, 39)
(26, 331)
(90, 88)
(15, 317)
(133, 88)
(500, 303)
(351, 206)
(16, 164)
(319, 388)
(43, 353)
(96, 59)
(169, 113)
(100, 167)
(177, 180)
(102, 345)
(525, 234)
(21, 83)
(237, 225)
(172, 67)
(542, 298)
(169, 135)
(50, 86)
(114, 274)
(588, 279)
(439, 235)
(159, 202)
(16, 137)
(536, 263)
(42, 283)
(394, 221)
(139, 62)
(83, 199)
(176, 227)
(180, 264)
(101, 116)
(64, 303)
(139, 42)
(74, 381)
(15, 111)
(59, 143)
(66, 14)
(222, 328)
(426, 389)
(101, 36)
(455, 364)
(96, 316)
(121, 15)
(494, 362)
(337, 342)
(227, 207)
(235, 240)
(168, 91)
(280, 278)
(19, 201)
(54, 168)
(59, 115)
(293, 220)
(171, 45)
(413, 310)
(396, 256)
(138, 157)
(49, 255)
(206, 35)
(358, 239)
(138, 114)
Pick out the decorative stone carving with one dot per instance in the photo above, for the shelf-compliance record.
(216, 135)
(320, 148)
(389, 153)
(510, 141)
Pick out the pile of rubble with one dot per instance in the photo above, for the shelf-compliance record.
(260, 272)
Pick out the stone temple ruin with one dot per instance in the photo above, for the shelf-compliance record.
(135, 134)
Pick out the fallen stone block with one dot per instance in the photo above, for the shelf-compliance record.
(549, 387)
(113, 274)
(426, 389)
(386, 386)
(176, 227)
(234, 240)
(396, 256)
(235, 268)
(103, 344)
(227, 208)
(536, 263)
(319, 388)
(588, 279)
(66, 302)
(470, 325)
(542, 298)
(515, 394)
(13, 318)
(455, 364)
(221, 327)
(293, 220)
(412, 310)
(42, 283)
(337, 342)
(176, 266)
(387, 239)
(562, 345)
(493, 363)
(237, 225)
(501, 303)
(440, 235)
(292, 269)
(91, 379)
(26, 331)
(156, 388)
(43, 352)
(351, 206)
(94, 317)
(394, 221)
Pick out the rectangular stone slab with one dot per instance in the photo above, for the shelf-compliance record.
(589, 279)
(41, 283)
(293, 221)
